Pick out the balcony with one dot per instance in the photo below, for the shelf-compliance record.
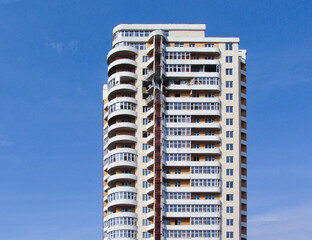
(150, 112)
(122, 126)
(150, 125)
(150, 151)
(121, 63)
(194, 125)
(121, 52)
(121, 88)
(195, 138)
(150, 138)
(214, 50)
(192, 176)
(215, 151)
(121, 177)
(149, 100)
(120, 139)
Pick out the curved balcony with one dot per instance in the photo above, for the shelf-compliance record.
(150, 125)
(122, 126)
(121, 88)
(150, 49)
(122, 99)
(121, 199)
(157, 33)
(120, 214)
(150, 112)
(120, 139)
(122, 63)
(121, 52)
(120, 177)
(122, 76)
(121, 158)
(150, 62)
(122, 112)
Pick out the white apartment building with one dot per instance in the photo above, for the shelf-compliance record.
(174, 135)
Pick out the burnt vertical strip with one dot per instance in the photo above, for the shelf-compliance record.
(157, 153)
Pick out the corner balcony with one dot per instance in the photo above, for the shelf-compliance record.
(122, 126)
(123, 77)
(121, 63)
(121, 177)
(150, 163)
(150, 112)
(150, 49)
(150, 215)
(120, 139)
(122, 112)
(121, 88)
(121, 52)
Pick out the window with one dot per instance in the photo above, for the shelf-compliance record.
(146, 172)
(229, 159)
(229, 197)
(146, 108)
(177, 95)
(229, 222)
(229, 172)
(126, 210)
(146, 235)
(146, 184)
(146, 159)
(145, 134)
(209, 58)
(229, 121)
(145, 121)
(229, 84)
(229, 234)
(146, 146)
(229, 46)
(209, 45)
(145, 71)
(196, 120)
(229, 134)
(196, 95)
(177, 171)
(229, 209)
(192, 45)
(196, 159)
(229, 146)
(177, 184)
(229, 184)
(196, 58)
(228, 59)
(126, 171)
(209, 95)
(146, 197)
(179, 44)
(196, 196)
(209, 120)
(229, 109)
(229, 71)
(177, 222)
(146, 222)
(229, 96)
(209, 146)
(210, 158)
(209, 133)
(210, 197)
(145, 58)
(196, 133)
(146, 210)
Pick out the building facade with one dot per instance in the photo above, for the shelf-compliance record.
(174, 135)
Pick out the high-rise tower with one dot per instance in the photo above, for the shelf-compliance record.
(175, 164)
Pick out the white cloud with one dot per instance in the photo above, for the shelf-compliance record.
(58, 46)
(61, 46)
(287, 224)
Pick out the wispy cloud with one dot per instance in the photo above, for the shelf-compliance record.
(62, 46)
(287, 224)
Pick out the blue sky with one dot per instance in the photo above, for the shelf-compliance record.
(52, 67)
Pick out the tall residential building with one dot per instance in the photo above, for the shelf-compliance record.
(174, 133)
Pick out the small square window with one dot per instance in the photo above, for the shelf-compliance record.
(228, 59)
